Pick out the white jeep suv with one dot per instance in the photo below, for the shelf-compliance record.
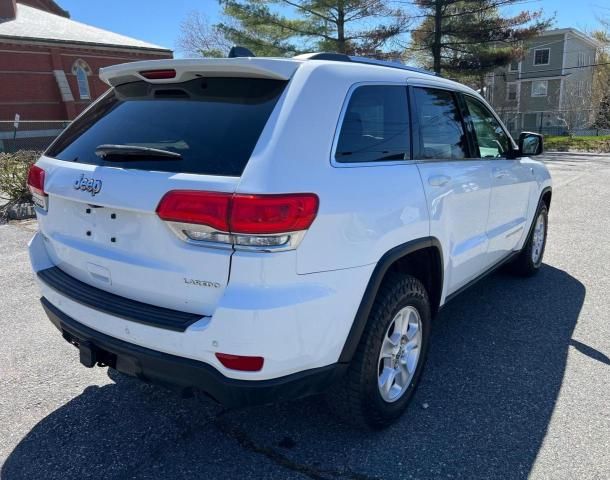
(262, 229)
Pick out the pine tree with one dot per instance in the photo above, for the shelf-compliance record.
(289, 27)
(468, 38)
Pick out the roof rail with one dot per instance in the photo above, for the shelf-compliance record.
(390, 64)
(337, 57)
(342, 57)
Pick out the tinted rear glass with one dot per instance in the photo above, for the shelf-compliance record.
(376, 126)
(214, 123)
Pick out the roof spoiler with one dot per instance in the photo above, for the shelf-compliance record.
(176, 71)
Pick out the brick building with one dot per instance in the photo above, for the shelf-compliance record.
(49, 63)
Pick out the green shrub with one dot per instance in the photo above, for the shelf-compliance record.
(14, 174)
(599, 144)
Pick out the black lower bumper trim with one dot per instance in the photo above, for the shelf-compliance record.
(116, 305)
(174, 371)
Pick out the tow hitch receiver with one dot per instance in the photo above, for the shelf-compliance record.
(91, 355)
(88, 354)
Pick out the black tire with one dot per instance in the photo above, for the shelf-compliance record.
(524, 265)
(356, 399)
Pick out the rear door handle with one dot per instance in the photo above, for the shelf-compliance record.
(438, 180)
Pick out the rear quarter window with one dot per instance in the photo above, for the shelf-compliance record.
(375, 125)
(213, 123)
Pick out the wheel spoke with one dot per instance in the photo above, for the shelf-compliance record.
(400, 323)
(413, 328)
(412, 344)
(404, 377)
(390, 344)
(411, 360)
(386, 379)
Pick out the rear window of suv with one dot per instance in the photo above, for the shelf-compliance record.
(213, 123)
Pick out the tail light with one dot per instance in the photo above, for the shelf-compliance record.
(36, 186)
(260, 222)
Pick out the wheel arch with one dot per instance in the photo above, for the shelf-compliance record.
(421, 258)
(545, 196)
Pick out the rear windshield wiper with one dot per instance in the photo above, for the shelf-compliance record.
(133, 152)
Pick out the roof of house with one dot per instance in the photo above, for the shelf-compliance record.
(38, 25)
(576, 33)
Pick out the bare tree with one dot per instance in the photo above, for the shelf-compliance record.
(577, 111)
(199, 38)
(601, 78)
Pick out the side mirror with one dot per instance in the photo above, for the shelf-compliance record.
(530, 144)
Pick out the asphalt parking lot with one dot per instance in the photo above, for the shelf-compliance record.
(517, 383)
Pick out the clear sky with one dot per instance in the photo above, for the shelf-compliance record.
(158, 21)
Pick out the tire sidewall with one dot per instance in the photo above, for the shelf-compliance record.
(542, 210)
(391, 410)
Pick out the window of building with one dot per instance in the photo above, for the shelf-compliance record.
(540, 88)
(511, 91)
(542, 56)
(83, 84)
(582, 59)
(81, 70)
(514, 66)
(441, 131)
(375, 126)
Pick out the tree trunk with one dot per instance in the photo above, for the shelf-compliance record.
(341, 27)
(438, 35)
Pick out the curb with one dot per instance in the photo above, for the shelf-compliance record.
(584, 154)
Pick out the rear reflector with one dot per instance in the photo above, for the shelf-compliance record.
(239, 213)
(36, 186)
(239, 362)
(158, 74)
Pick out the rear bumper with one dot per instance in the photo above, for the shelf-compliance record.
(184, 373)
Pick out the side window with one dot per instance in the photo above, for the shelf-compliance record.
(375, 126)
(441, 131)
(490, 137)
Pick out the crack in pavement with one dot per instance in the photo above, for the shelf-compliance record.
(247, 443)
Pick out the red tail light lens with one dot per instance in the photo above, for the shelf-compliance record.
(203, 208)
(36, 180)
(238, 213)
(269, 214)
(159, 74)
(36, 187)
(239, 362)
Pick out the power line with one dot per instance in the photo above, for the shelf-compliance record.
(558, 69)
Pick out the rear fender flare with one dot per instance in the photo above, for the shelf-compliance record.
(366, 304)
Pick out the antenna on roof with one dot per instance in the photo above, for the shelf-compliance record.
(237, 51)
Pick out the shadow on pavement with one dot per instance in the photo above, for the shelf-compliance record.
(495, 368)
